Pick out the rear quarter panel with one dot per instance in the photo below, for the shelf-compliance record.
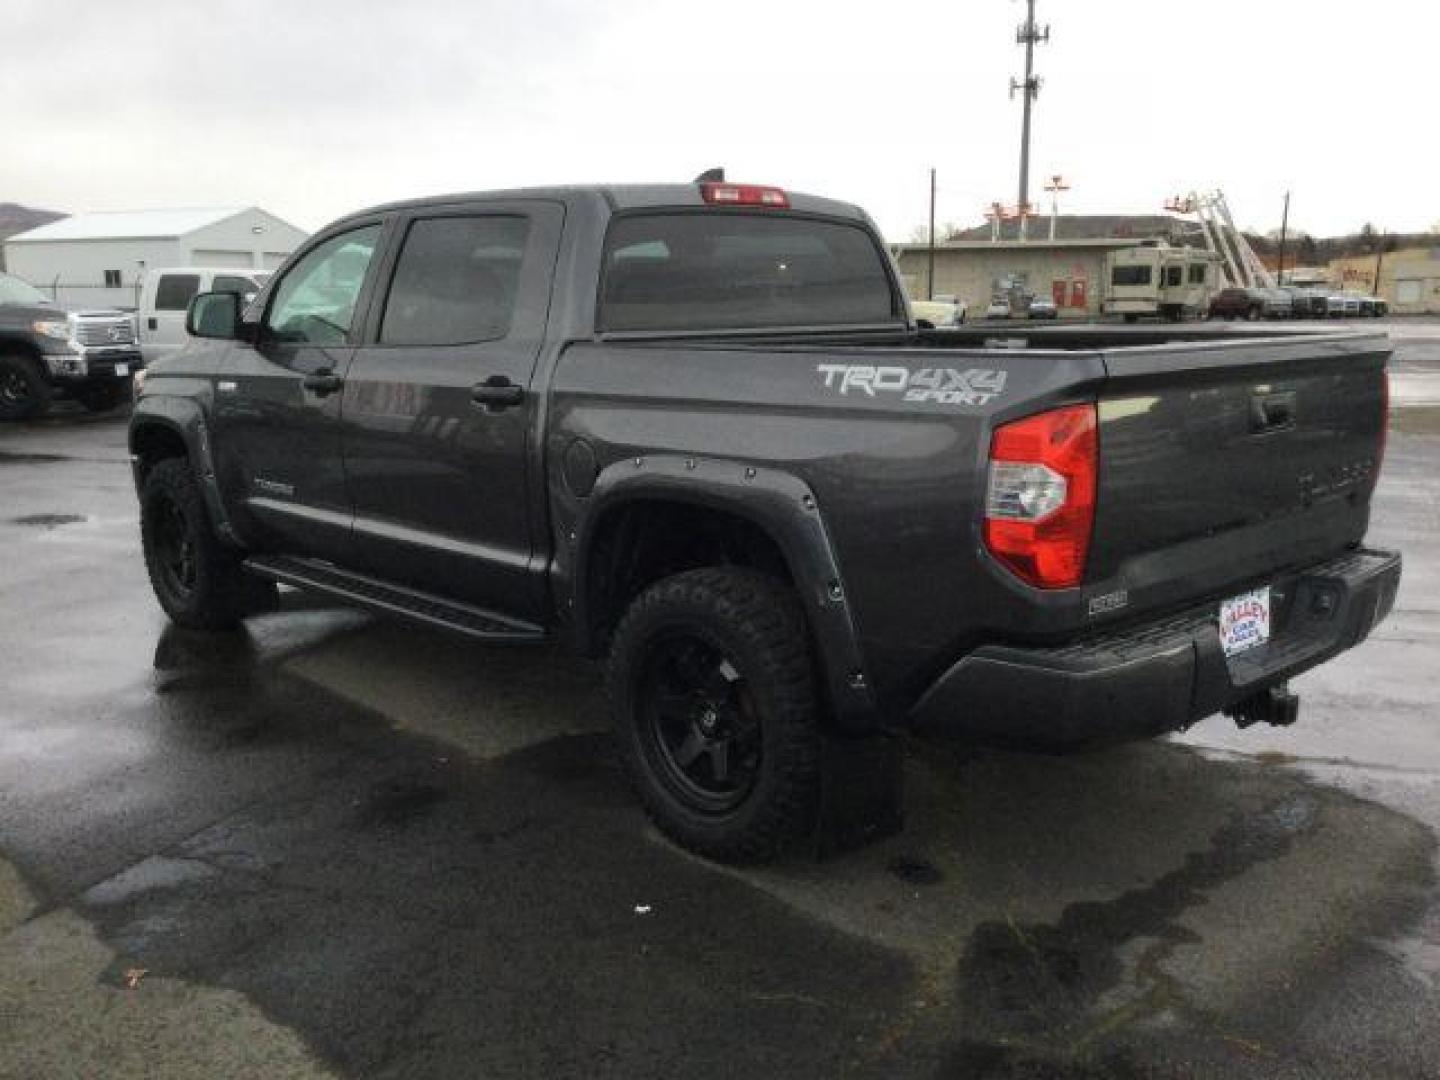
(899, 483)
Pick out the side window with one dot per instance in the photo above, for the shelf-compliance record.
(1130, 275)
(315, 302)
(230, 283)
(456, 281)
(1197, 273)
(175, 291)
(1172, 276)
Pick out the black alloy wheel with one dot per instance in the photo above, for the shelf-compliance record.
(23, 390)
(700, 727)
(199, 580)
(713, 690)
(172, 538)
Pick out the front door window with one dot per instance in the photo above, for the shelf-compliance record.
(315, 302)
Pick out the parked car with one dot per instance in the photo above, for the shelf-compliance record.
(941, 313)
(49, 352)
(165, 296)
(1379, 307)
(686, 428)
(1042, 307)
(999, 307)
(1239, 303)
(1306, 303)
(1278, 304)
(1335, 305)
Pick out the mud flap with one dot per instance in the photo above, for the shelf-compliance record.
(862, 792)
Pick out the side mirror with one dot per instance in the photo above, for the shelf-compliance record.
(214, 315)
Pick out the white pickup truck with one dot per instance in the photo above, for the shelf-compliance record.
(166, 294)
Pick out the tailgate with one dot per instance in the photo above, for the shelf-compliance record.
(1223, 462)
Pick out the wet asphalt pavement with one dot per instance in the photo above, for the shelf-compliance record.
(335, 846)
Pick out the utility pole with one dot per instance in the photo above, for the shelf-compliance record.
(1028, 35)
(930, 283)
(1055, 186)
(1379, 259)
(1284, 228)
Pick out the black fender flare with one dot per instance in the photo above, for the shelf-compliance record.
(185, 417)
(780, 504)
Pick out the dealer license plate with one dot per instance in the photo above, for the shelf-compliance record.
(121, 370)
(1245, 621)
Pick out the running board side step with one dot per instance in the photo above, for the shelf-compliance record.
(397, 600)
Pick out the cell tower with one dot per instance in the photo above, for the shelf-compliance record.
(1029, 34)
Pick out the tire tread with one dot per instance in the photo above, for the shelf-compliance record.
(764, 611)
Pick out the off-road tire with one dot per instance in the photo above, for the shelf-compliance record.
(197, 578)
(103, 398)
(24, 393)
(754, 621)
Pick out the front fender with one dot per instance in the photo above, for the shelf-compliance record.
(182, 415)
(780, 504)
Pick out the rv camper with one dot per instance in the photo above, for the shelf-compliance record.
(1158, 280)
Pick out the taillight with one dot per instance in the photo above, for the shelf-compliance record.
(1040, 502)
(744, 195)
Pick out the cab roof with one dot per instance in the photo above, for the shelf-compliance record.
(617, 197)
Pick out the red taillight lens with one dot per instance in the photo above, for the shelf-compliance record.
(1040, 501)
(744, 195)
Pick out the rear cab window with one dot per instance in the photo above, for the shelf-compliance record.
(175, 291)
(676, 270)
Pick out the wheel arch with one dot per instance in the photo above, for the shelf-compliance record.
(770, 519)
(164, 426)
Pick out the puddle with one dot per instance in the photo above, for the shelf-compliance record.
(48, 521)
(28, 459)
(150, 875)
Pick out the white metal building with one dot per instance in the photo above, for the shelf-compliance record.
(98, 259)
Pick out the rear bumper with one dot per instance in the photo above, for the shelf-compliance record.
(1157, 677)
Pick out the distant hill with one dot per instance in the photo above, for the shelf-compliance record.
(15, 218)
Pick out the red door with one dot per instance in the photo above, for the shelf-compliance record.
(1057, 293)
(1077, 293)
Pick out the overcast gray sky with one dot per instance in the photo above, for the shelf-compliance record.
(311, 108)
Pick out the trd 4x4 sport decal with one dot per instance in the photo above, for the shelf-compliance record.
(944, 386)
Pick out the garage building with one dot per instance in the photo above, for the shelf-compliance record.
(1409, 278)
(1070, 272)
(99, 259)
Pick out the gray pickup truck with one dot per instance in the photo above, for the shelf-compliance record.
(49, 352)
(692, 429)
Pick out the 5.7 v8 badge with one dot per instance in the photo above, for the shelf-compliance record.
(944, 386)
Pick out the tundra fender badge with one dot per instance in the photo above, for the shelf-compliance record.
(942, 386)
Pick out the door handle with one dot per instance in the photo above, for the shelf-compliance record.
(322, 382)
(497, 393)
